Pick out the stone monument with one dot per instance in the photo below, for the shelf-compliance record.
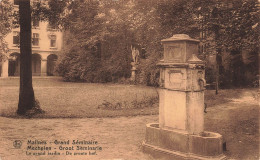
(180, 133)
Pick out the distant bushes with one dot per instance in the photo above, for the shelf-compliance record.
(84, 67)
(148, 73)
(99, 64)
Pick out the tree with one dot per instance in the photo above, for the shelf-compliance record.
(80, 61)
(99, 40)
(51, 10)
(242, 34)
(26, 93)
(232, 27)
(222, 26)
(102, 40)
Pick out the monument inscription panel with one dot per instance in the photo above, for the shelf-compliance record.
(175, 79)
(173, 53)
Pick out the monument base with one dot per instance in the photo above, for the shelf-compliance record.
(177, 144)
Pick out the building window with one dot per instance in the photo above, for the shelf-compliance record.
(53, 40)
(16, 38)
(35, 23)
(35, 39)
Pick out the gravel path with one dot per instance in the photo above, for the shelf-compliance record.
(120, 138)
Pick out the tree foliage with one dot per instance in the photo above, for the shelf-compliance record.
(235, 30)
(222, 27)
(99, 41)
(242, 35)
(6, 12)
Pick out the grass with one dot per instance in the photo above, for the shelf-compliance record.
(77, 100)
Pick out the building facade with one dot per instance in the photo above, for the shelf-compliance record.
(46, 43)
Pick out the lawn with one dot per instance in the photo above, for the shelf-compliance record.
(234, 113)
(77, 100)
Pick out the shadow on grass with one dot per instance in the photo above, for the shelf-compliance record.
(95, 113)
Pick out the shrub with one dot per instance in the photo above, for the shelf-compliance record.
(88, 65)
(145, 101)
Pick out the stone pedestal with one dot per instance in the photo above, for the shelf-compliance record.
(180, 133)
(133, 72)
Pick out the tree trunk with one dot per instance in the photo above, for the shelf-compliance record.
(216, 29)
(26, 93)
(217, 79)
(219, 63)
(238, 68)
